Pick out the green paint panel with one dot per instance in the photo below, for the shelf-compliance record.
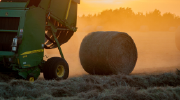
(6, 53)
(33, 38)
(11, 13)
(23, 74)
(16, 5)
(35, 71)
(8, 30)
(72, 14)
(44, 4)
(59, 8)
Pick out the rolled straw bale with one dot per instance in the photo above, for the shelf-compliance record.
(177, 38)
(105, 53)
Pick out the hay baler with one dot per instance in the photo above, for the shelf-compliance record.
(27, 27)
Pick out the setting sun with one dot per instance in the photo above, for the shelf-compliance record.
(103, 1)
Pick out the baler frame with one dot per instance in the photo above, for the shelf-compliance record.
(27, 60)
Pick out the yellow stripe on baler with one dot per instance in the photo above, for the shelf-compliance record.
(69, 6)
(34, 51)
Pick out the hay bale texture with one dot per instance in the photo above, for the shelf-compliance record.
(105, 53)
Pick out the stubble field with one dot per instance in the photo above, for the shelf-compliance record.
(153, 78)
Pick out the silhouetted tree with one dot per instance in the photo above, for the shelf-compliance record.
(125, 19)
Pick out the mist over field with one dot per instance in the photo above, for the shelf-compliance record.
(157, 52)
(153, 34)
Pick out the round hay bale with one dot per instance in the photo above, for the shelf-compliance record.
(177, 38)
(105, 53)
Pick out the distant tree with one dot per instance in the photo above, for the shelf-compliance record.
(125, 19)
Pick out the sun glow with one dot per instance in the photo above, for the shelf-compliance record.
(103, 1)
(96, 6)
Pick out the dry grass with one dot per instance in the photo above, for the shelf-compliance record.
(151, 87)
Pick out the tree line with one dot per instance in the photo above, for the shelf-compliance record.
(125, 19)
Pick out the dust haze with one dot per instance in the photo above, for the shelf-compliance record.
(155, 41)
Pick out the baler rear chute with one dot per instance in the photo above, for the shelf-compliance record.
(27, 28)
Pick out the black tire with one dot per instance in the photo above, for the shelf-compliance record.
(56, 68)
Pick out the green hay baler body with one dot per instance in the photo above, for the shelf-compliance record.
(27, 21)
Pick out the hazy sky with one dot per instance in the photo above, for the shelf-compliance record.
(95, 6)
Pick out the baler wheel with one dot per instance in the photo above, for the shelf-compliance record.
(30, 78)
(56, 68)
